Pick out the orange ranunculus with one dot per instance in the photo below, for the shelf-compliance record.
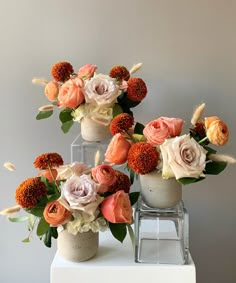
(56, 214)
(216, 130)
(51, 175)
(104, 174)
(51, 90)
(87, 71)
(71, 93)
(117, 208)
(117, 150)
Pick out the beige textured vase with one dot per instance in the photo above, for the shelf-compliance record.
(93, 131)
(77, 248)
(158, 192)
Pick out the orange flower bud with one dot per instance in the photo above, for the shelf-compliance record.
(56, 214)
(216, 130)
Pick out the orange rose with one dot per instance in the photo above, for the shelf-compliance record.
(56, 214)
(71, 93)
(51, 90)
(216, 130)
(117, 150)
(117, 208)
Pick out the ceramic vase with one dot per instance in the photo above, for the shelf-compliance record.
(157, 192)
(93, 131)
(79, 247)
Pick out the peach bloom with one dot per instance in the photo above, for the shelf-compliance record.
(87, 71)
(51, 90)
(104, 174)
(56, 214)
(162, 128)
(209, 120)
(71, 93)
(51, 175)
(217, 132)
(117, 150)
(117, 208)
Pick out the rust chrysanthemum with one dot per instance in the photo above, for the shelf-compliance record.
(122, 122)
(29, 192)
(120, 73)
(48, 160)
(199, 131)
(61, 71)
(122, 183)
(143, 158)
(136, 89)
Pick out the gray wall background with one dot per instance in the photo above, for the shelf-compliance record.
(188, 52)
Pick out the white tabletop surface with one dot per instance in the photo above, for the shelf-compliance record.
(115, 263)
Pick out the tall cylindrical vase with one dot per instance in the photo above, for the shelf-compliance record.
(79, 247)
(93, 131)
(157, 192)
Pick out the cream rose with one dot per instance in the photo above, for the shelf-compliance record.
(73, 169)
(183, 157)
(80, 193)
(102, 90)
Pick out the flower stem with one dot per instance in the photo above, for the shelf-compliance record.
(131, 235)
(203, 140)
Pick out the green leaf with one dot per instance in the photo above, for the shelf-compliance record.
(18, 219)
(134, 197)
(138, 138)
(65, 115)
(66, 126)
(37, 211)
(117, 109)
(118, 230)
(42, 227)
(187, 181)
(138, 129)
(131, 176)
(214, 168)
(26, 240)
(48, 238)
(209, 150)
(44, 114)
(54, 232)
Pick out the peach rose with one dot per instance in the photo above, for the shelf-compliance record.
(51, 90)
(216, 130)
(71, 93)
(56, 214)
(87, 71)
(160, 129)
(104, 174)
(117, 150)
(117, 208)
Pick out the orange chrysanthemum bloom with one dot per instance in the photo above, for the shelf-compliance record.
(29, 192)
(61, 71)
(143, 158)
(120, 73)
(136, 89)
(122, 183)
(48, 160)
(122, 122)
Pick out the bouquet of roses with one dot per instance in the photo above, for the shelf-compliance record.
(160, 146)
(73, 197)
(91, 95)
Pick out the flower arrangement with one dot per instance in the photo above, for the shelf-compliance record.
(160, 146)
(73, 197)
(88, 94)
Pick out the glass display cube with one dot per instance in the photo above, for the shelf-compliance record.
(85, 151)
(161, 235)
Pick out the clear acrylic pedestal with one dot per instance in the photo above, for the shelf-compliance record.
(161, 235)
(85, 151)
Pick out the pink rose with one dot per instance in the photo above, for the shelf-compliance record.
(117, 208)
(87, 71)
(104, 174)
(51, 90)
(117, 150)
(71, 93)
(174, 124)
(162, 128)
